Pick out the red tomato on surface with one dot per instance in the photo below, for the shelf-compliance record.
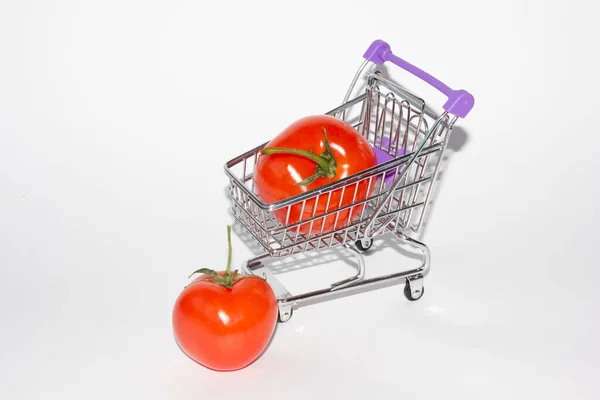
(224, 320)
(278, 176)
(225, 329)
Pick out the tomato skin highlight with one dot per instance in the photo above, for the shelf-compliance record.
(276, 176)
(225, 329)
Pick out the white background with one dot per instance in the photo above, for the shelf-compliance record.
(116, 118)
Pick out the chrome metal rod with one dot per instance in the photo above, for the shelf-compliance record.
(363, 65)
(360, 266)
(323, 293)
(426, 265)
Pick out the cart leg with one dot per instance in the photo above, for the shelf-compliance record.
(360, 262)
(285, 311)
(414, 284)
(425, 266)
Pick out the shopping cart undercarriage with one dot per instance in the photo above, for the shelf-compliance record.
(409, 140)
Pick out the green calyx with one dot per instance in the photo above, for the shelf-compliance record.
(326, 164)
(229, 277)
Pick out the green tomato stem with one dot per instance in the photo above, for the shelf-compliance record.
(229, 277)
(323, 163)
(326, 163)
(228, 268)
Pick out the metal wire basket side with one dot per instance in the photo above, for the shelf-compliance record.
(344, 223)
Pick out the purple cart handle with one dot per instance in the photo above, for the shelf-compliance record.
(459, 103)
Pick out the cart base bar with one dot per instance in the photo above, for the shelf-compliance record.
(287, 302)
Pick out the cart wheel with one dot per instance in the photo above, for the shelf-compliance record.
(364, 244)
(285, 313)
(409, 295)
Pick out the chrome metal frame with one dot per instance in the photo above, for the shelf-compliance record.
(398, 191)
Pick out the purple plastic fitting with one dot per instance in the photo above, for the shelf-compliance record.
(382, 156)
(459, 102)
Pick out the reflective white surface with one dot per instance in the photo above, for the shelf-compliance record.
(116, 119)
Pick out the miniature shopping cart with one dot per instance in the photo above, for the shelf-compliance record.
(409, 140)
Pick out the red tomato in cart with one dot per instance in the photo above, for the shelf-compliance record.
(224, 320)
(312, 152)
